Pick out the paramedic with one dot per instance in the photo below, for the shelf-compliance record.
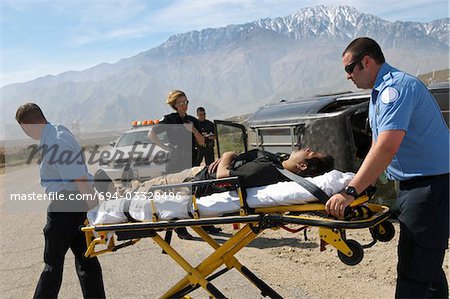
(410, 141)
(63, 217)
(183, 136)
(206, 127)
(182, 133)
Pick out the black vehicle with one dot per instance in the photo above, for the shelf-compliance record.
(334, 124)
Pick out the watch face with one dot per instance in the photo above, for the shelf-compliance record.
(351, 191)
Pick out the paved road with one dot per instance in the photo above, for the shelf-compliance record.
(140, 271)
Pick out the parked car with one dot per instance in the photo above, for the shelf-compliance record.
(134, 153)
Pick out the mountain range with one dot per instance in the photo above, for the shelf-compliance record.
(231, 70)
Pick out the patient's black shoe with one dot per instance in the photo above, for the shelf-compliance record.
(184, 234)
(211, 229)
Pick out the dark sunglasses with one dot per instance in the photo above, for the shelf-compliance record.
(349, 68)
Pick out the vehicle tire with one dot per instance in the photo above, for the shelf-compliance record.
(384, 232)
(127, 175)
(358, 253)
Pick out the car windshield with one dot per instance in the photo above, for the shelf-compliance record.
(139, 137)
(133, 138)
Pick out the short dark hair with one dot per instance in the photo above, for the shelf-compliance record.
(29, 113)
(365, 46)
(201, 109)
(318, 166)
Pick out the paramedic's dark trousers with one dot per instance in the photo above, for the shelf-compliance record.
(423, 206)
(62, 232)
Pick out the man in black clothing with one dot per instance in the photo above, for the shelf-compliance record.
(259, 168)
(206, 128)
(254, 168)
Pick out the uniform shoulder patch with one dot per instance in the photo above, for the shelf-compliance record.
(389, 95)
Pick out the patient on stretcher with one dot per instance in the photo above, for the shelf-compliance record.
(177, 206)
(254, 168)
(265, 187)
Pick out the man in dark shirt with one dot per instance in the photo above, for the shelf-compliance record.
(254, 168)
(259, 168)
(206, 128)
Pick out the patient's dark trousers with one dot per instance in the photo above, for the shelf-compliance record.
(62, 232)
(423, 206)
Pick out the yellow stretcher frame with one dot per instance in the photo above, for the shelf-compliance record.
(255, 221)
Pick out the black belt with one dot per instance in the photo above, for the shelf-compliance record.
(420, 179)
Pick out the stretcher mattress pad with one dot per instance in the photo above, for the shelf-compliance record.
(181, 206)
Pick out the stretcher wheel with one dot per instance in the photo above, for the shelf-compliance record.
(357, 256)
(384, 232)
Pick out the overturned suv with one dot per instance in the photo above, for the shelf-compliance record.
(134, 155)
(334, 124)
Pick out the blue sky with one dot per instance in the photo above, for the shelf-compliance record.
(41, 37)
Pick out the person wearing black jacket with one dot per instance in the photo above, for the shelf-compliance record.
(206, 127)
(254, 168)
(182, 132)
(259, 168)
(184, 138)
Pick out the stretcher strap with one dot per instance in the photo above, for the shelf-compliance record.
(293, 230)
(126, 208)
(154, 212)
(196, 214)
(309, 186)
(126, 211)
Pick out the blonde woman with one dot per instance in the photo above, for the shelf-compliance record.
(183, 136)
(182, 133)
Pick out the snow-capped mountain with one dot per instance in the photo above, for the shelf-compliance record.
(339, 23)
(234, 69)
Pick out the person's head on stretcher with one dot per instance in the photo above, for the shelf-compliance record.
(306, 162)
(303, 162)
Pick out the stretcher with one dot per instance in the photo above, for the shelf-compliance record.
(104, 238)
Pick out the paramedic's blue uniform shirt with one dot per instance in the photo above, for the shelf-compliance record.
(62, 161)
(401, 102)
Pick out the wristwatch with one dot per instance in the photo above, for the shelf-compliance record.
(351, 191)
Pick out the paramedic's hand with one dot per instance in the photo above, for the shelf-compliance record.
(170, 147)
(337, 203)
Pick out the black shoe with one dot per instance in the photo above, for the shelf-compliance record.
(211, 229)
(184, 234)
